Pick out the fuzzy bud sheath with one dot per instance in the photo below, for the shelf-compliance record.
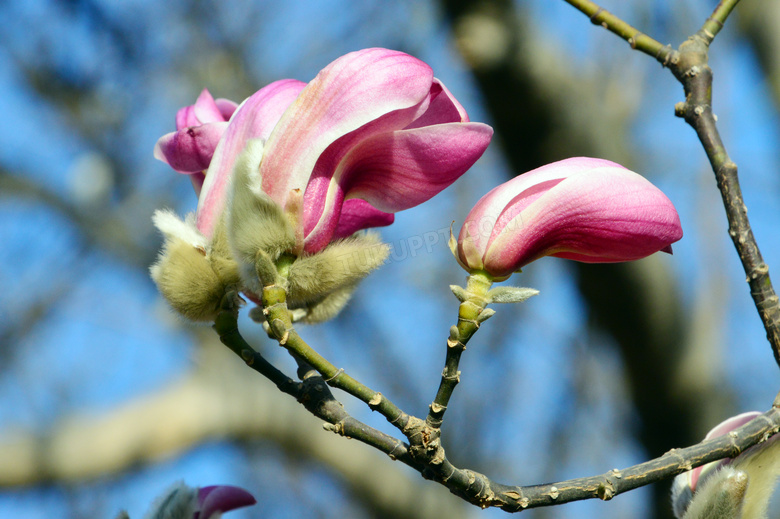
(293, 177)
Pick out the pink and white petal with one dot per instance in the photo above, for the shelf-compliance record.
(226, 107)
(603, 215)
(203, 111)
(497, 204)
(357, 214)
(206, 109)
(321, 180)
(255, 118)
(397, 170)
(469, 255)
(353, 90)
(444, 108)
(190, 150)
(197, 180)
(185, 117)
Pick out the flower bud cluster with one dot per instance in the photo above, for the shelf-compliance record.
(289, 180)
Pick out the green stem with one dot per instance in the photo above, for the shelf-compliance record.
(313, 393)
(226, 326)
(274, 299)
(714, 23)
(477, 286)
(638, 40)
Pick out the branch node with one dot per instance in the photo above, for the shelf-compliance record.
(339, 372)
(437, 408)
(373, 404)
(248, 357)
(454, 377)
(594, 18)
(606, 491)
(453, 343)
(337, 428)
(391, 454)
(711, 19)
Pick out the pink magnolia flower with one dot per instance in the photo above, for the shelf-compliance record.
(585, 209)
(217, 499)
(184, 502)
(374, 133)
(199, 128)
(736, 487)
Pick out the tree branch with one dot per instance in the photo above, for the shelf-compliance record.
(426, 454)
(638, 40)
(313, 392)
(689, 64)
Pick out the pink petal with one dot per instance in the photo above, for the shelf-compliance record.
(604, 215)
(444, 108)
(226, 108)
(190, 150)
(347, 94)
(255, 118)
(221, 498)
(483, 219)
(356, 215)
(397, 170)
(204, 110)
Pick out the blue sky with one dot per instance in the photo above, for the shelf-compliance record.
(104, 340)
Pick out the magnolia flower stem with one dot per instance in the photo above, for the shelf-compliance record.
(226, 326)
(477, 287)
(689, 64)
(274, 299)
(312, 392)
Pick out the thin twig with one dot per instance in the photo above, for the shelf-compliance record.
(468, 323)
(312, 392)
(714, 23)
(638, 40)
(274, 299)
(426, 455)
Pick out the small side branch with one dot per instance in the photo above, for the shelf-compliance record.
(425, 454)
(471, 313)
(664, 54)
(693, 71)
(714, 23)
(274, 299)
(313, 392)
